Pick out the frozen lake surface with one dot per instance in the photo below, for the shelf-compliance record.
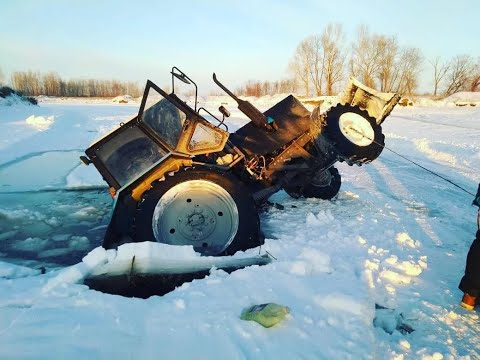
(388, 251)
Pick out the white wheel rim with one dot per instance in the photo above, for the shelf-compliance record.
(356, 129)
(199, 213)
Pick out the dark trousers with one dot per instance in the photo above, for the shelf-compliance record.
(470, 282)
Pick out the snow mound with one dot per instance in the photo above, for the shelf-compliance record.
(339, 302)
(322, 218)
(464, 96)
(311, 261)
(423, 145)
(14, 100)
(426, 101)
(78, 272)
(40, 123)
(320, 100)
(123, 99)
(11, 271)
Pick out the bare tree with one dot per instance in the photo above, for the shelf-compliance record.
(267, 88)
(92, 87)
(377, 59)
(366, 55)
(253, 88)
(387, 61)
(408, 69)
(27, 82)
(51, 84)
(300, 64)
(475, 84)
(333, 56)
(318, 61)
(440, 69)
(287, 86)
(461, 70)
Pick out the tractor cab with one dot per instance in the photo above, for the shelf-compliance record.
(165, 128)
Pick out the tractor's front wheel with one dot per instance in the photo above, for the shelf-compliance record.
(212, 211)
(354, 133)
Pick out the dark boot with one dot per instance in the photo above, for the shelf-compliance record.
(470, 283)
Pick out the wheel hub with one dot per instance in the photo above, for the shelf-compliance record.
(197, 223)
(356, 129)
(322, 178)
(198, 213)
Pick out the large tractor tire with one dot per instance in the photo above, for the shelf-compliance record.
(354, 134)
(212, 211)
(324, 185)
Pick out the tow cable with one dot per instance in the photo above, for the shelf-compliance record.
(411, 161)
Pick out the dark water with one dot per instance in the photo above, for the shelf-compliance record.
(52, 228)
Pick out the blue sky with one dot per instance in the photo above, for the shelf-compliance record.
(239, 40)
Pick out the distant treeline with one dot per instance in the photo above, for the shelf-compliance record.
(261, 88)
(51, 84)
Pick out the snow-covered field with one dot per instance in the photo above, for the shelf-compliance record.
(358, 273)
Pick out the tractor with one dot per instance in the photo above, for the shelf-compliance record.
(180, 179)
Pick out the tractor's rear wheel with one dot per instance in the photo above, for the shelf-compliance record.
(324, 185)
(354, 133)
(214, 212)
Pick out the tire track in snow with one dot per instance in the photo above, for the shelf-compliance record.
(448, 159)
(397, 263)
(436, 123)
(420, 210)
(423, 145)
(395, 258)
(466, 164)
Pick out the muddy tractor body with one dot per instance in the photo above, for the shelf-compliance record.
(180, 179)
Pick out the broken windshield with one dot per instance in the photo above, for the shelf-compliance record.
(129, 154)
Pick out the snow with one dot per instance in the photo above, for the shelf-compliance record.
(385, 255)
(14, 100)
(153, 258)
(464, 96)
(10, 271)
(40, 123)
(458, 99)
(123, 99)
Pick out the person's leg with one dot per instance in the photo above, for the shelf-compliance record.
(470, 283)
(478, 219)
